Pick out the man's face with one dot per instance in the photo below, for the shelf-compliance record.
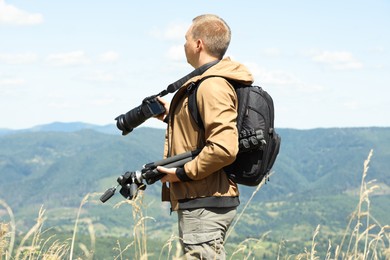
(190, 48)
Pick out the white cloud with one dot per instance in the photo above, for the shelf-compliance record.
(377, 49)
(272, 52)
(62, 105)
(11, 15)
(10, 86)
(100, 76)
(310, 88)
(175, 31)
(11, 81)
(351, 105)
(109, 56)
(339, 60)
(176, 53)
(272, 77)
(68, 58)
(19, 58)
(281, 78)
(102, 102)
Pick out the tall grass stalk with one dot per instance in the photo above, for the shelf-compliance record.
(139, 230)
(83, 201)
(4, 232)
(119, 248)
(35, 231)
(245, 207)
(88, 253)
(312, 255)
(314, 244)
(280, 246)
(362, 217)
(328, 252)
(247, 248)
(364, 197)
(168, 244)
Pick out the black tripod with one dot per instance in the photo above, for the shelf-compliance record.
(131, 182)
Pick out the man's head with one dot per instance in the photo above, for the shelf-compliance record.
(207, 38)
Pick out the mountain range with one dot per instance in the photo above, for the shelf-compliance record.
(315, 180)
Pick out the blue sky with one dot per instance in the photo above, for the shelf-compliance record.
(325, 63)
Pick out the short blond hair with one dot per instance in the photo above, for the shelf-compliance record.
(214, 32)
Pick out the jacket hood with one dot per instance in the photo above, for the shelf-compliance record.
(228, 69)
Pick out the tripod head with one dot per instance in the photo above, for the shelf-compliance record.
(130, 183)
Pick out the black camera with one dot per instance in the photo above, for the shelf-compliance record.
(150, 107)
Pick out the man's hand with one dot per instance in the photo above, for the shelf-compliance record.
(166, 106)
(170, 174)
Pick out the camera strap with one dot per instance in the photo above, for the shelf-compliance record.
(177, 84)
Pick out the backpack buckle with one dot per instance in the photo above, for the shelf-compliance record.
(190, 87)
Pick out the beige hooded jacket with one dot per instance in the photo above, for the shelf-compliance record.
(205, 183)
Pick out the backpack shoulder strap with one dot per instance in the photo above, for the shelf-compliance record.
(192, 103)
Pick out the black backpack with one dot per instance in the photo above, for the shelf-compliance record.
(258, 141)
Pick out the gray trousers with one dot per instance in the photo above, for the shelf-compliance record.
(202, 231)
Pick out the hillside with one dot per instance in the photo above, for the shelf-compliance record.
(42, 166)
(315, 181)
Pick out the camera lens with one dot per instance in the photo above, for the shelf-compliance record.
(127, 122)
(121, 125)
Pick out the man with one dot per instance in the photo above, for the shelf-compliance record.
(201, 193)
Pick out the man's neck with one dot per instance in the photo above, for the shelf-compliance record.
(205, 60)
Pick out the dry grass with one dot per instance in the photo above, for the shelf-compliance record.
(34, 248)
(139, 232)
(7, 233)
(359, 241)
(88, 254)
(361, 238)
(139, 243)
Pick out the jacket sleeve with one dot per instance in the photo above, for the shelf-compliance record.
(217, 105)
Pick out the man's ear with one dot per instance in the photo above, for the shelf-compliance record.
(199, 45)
